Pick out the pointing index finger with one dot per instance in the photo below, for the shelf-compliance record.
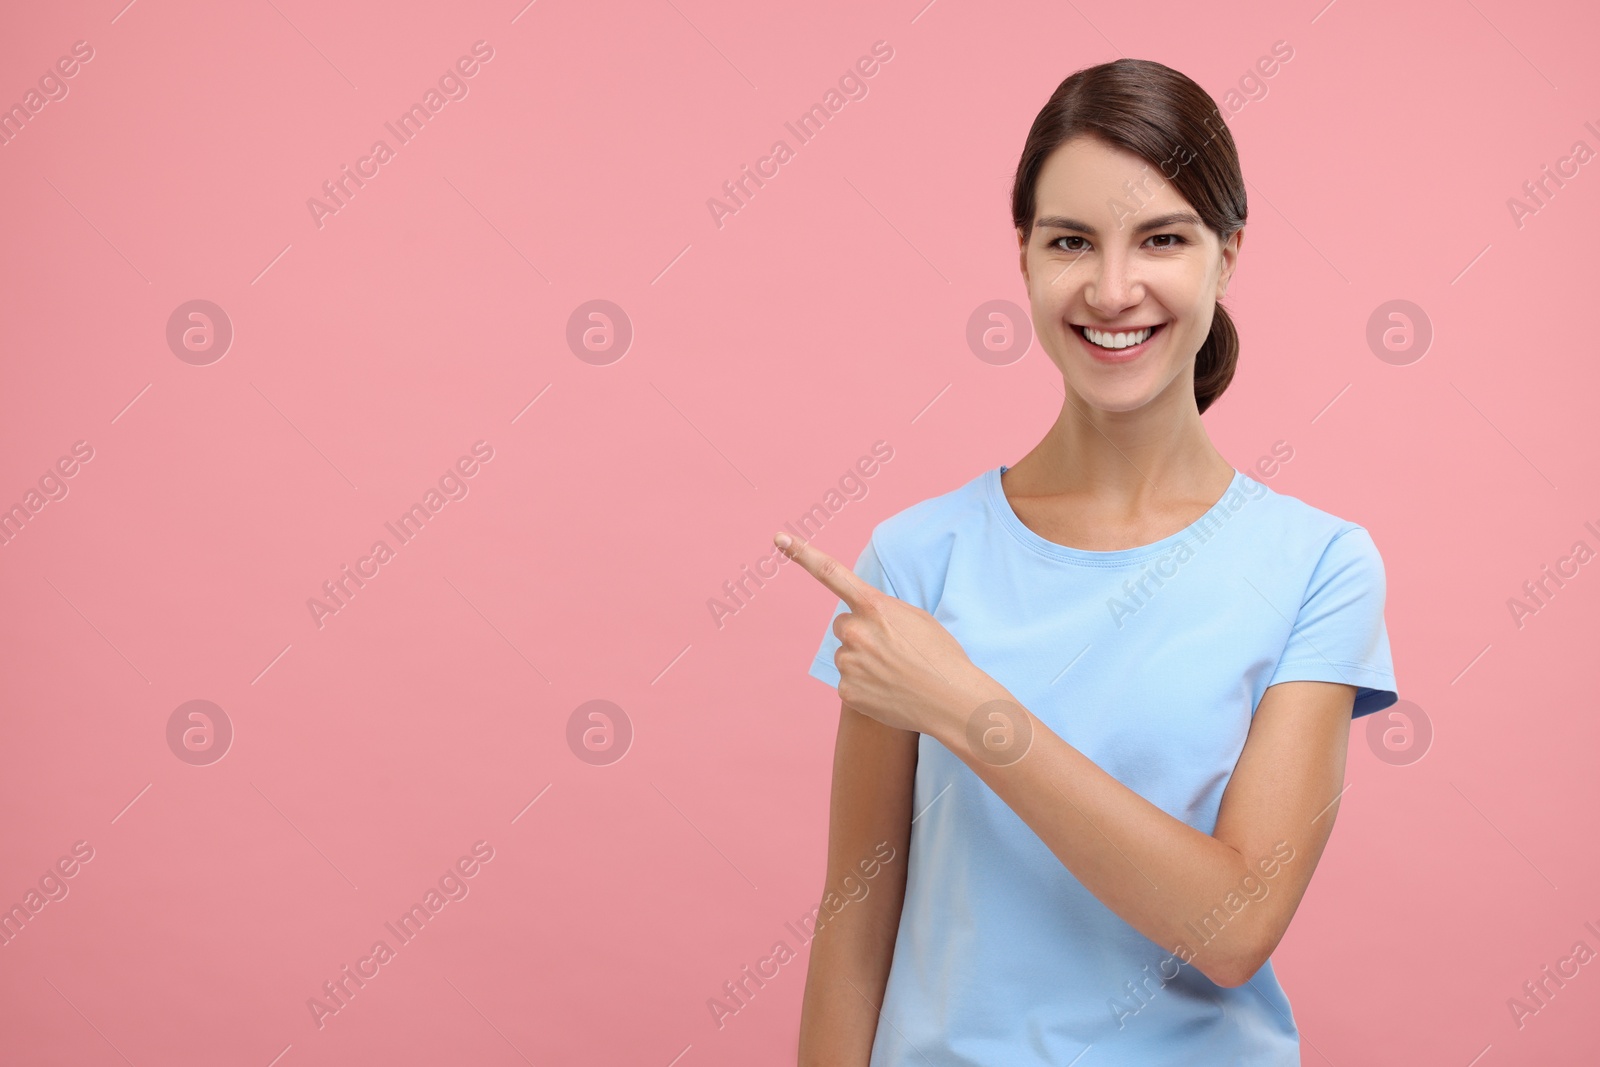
(845, 583)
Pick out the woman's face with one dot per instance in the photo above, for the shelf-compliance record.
(1115, 248)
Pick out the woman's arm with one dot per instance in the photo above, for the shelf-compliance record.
(1171, 882)
(1183, 889)
(874, 767)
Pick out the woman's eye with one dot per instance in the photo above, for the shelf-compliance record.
(1172, 239)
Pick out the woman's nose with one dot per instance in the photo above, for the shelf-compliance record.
(1112, 285)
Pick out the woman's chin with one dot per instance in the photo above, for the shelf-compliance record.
(1129, 397)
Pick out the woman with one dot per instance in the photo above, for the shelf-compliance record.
(1096, 703)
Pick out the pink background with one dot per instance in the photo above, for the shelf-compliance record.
(767, 356)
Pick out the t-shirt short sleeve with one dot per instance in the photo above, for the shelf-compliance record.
(1339, 634)
(869, 567)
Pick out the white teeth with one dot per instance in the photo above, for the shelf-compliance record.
(1118, 340)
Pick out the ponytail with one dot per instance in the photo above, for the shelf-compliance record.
(1215, 362)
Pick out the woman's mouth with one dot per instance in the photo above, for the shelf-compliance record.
(1117, 346)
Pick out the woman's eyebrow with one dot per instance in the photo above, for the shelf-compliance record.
(1173, 218)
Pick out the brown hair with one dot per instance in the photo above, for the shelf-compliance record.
(1153, 111)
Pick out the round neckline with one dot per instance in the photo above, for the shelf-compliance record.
(1043, 545)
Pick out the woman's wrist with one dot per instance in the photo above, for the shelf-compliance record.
(974, 706)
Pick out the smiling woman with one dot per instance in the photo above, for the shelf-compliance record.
(1080, 799)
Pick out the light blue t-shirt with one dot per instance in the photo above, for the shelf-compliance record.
(1151, 661)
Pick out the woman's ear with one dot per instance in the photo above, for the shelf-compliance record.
(1231, 255)
(1230, 260)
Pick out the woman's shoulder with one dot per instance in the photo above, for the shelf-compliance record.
(913, 547)
(1292, 521)
(919, 528)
